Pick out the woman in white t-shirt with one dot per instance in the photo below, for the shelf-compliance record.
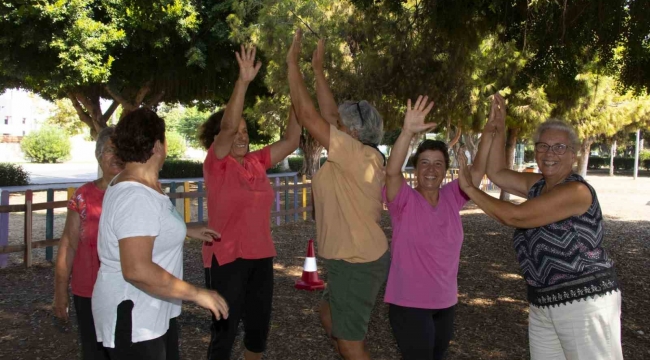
(139, 287)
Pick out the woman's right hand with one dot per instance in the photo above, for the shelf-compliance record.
(248, 69)
(414, 118)
(212, 301)
(318, 56)
(497, 119)
(60, 305)
(464, 174)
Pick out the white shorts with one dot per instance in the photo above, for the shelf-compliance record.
(586, 329)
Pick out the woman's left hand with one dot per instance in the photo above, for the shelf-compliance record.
(204, 234)
(464, 175)
(294, 50)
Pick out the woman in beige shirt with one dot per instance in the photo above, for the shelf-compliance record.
(347, 202)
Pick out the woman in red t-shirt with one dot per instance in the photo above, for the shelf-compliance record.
(77, 253)
(240, 265)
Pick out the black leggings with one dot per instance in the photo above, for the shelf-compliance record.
(90, 348)
(247, 286)
(422, 334)
(161, 348)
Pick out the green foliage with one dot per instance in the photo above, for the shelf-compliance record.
(597, 162)
(295, 163)
(175, 145)
(620, 163)
(181, 169)
(65, 117)
(599, 108)
(623, 163)
(47, 145)
(13, 175)
(527, 109)
(185, 121)
(644, 154)
(134, 52)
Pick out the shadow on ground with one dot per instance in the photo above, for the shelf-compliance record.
(491, 320)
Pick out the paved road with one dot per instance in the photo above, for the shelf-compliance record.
(60, 173)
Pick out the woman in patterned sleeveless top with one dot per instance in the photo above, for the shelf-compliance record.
(575, 302)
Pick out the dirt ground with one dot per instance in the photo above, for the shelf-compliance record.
(491, 316)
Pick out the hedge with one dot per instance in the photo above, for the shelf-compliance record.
(177, 169)
(597, 162)
(13, 175)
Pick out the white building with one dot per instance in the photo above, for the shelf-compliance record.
(22, 112)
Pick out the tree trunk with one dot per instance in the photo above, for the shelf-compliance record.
(453, 141)
(471, 143)
(511, 145)
(311, 150)
(612, 154)
(583, 161)
(89, 110)
(412, 146)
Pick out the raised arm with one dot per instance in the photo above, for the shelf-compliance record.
(233, 114)
(511, 181)
(566, 200)
(289, 142)
(303, 105)
(326, 103)
(64, 260)
(413, 124)
(479, 166)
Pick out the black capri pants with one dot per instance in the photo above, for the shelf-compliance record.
(247, 287)
(422, 334)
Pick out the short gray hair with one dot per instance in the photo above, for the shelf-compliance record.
(364, 118)
(557, 124)
(102, 138)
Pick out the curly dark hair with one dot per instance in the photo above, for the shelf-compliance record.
(433, 145)
(136, 133)
(210, 128)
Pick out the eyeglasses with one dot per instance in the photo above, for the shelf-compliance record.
(558, 149)
(363, 121)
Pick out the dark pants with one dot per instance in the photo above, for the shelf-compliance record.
(90, 348)
(161, 348)
(422, 334)
(247, 287)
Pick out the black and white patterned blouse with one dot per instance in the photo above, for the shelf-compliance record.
(564, 261)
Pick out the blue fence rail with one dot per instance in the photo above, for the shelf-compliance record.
(291, 203)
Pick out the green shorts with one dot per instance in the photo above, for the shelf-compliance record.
(351, 292)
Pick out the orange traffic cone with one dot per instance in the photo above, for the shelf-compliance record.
(309, 280)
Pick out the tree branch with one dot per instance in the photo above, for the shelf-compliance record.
(142, 93)
(563, 21)
(111, 109)
(83, 116)
(154, 100)
(91, 107)
(118, 97)
(456, 138)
